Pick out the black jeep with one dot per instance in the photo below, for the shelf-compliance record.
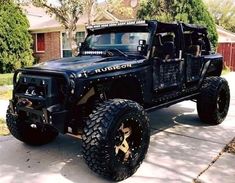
(122, 71)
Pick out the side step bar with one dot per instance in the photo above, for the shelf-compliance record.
(167, 104)
(79, 136)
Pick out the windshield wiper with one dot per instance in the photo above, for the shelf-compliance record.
(117, 50)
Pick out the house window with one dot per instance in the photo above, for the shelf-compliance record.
(40, 42)
(80, 36)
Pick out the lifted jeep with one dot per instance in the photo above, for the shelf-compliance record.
(122, 71)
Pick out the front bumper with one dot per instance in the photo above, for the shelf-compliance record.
(42, 97)
(54, 115)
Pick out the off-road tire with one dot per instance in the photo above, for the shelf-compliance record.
(100, 137)
(213, 101)
(22, 131)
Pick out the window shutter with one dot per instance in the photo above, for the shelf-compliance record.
(40, 42)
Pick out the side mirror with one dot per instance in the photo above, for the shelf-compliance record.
(140, 48)
(80, 45)
(142, 42)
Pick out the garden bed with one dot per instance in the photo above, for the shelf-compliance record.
(230, 148)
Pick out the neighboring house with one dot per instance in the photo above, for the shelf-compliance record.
(226, 47)
(49, 37)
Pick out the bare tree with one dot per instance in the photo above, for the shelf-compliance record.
(67, 12)
(89, 6)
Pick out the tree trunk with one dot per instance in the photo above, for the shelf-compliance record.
(71, 35)
(89, 17)
(89, 9)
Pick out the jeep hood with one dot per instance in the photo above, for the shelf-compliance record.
(88, 64)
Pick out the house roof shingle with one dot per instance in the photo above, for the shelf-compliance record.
(225, 36)
(39, 20)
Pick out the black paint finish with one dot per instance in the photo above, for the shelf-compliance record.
(154, 82)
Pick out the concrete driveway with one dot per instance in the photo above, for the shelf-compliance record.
(181, 149)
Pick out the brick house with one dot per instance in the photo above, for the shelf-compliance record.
(49, 38)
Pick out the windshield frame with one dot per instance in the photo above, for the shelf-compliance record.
(122, 29)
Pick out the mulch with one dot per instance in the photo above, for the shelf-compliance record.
(230, 148)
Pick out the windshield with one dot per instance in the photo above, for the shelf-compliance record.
(124, 41)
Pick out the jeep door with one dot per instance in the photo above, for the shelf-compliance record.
(167, 62)
(196, 46)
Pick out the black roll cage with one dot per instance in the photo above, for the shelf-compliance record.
(157, 27)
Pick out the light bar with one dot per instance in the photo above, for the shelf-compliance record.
(93, 52)
(117, 24)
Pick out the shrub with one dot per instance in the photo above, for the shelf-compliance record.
(15, 40)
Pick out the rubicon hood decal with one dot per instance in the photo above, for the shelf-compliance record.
(113, 68)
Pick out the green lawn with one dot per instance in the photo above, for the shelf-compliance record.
(226, 70)
(6, 94)
(3, 128)
(6, 79)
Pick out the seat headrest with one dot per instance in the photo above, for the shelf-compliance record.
(169, 47)
(187, 40)
(168, 38)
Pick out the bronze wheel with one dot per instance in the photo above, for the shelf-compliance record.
(116, 138)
